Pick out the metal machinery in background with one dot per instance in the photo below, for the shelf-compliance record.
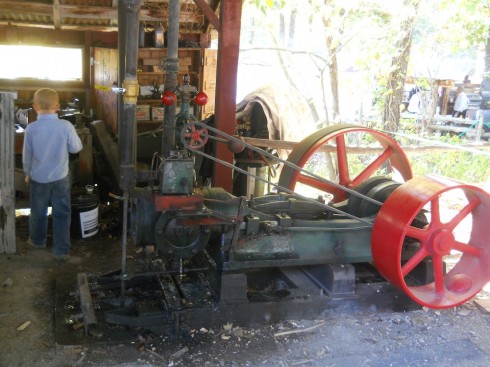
(220, 258)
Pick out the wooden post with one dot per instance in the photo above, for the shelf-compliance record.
(480, 128)
(7, 190)
(226, 84)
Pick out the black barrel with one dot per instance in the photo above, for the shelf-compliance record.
(85, 212)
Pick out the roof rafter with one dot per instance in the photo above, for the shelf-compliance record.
(68, 16)
(56, 14)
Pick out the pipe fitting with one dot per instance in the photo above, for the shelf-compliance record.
(132, 90)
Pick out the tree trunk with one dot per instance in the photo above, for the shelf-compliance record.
(334, 85)
(325, 122)
(396, 78)
(486, 72)
(282, 29)
(487, 55)
(292, 27)
(332, 61)
(291, 39)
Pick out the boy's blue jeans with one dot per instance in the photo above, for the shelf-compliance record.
(58, 194)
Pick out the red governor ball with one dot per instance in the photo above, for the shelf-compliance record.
(201, 99)
(168, 98)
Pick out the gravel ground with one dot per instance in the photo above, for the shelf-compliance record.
(368, 336)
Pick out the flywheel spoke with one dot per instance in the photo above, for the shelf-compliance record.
(372, 167)
(464, 212)
(435, 215)
(343, 165)
(420, 255)
(468, 249)
(438, 274)
(317, 184)
(417, 233)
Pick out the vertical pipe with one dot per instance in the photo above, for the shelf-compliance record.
(121, 46)
(127, 135)
(124, 243)
(171, 65)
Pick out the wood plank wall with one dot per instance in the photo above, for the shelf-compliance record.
(7, 190)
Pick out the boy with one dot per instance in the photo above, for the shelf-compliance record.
(47, 142)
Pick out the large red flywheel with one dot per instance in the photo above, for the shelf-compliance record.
(456, 237)
(338, 146)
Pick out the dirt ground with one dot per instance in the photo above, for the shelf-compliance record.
(354, 336)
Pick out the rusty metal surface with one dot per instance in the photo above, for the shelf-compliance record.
(181, 202)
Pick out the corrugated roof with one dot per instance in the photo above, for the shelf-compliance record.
(93, 14)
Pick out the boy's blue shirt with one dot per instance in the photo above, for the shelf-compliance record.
(47, 142)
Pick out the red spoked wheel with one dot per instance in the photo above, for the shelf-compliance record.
(194, 136)
(442, 240)
(330, 152)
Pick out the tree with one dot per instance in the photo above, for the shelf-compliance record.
(473, 16)
(382, 42)
(333, 21)
(398, 73)
(487, 52)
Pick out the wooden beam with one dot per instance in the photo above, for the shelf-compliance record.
(69, 27)
(56, 14)
(114, 6)
(7, 189)
(61, 89)
(209, 13)
(185, 15)
(25, 7)
(88, 12)
(86, 303)
(64, 11)
(64, 26)
(59, 11)
(290, 145)
(215, 7)
(226, 85)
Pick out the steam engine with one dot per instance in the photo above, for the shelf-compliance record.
(253, 256)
